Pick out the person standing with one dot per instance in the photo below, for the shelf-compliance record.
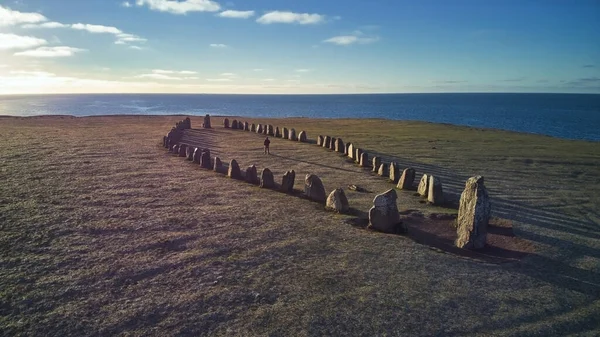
(267, 143)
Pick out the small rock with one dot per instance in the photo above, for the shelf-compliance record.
(381, 172)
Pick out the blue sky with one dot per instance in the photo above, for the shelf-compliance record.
(310, 46)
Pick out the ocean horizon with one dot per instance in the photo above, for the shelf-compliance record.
(569, 116)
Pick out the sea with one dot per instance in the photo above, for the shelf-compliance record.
(570, 116)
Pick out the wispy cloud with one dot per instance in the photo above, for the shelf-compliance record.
(584, 82)
(180, 7)
(50, 52)
(450, 81)
(124, 38)
(160, 77)
(516, 79)
(96, 29)
(257, 69)
(346, 40)
(181, 72)
(44, 25)
(236, 14)
(9, 17)
(588, 66)
(268, 79)
(291, 17)
(228, 75)
(218, 45)
(136, 47)
(303, 70)
(224, 79)
(12, 41)
(126, 4)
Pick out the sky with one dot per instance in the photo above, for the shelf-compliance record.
(299, 47)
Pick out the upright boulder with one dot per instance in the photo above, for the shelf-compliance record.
(349, 150)
(327, 141)
(285, 133)
(337, 201)
(234, 170)
(270, 130)
(332, 144)
(358, 153)
(175, 148)
(182, 149)
(320, 140)
(292, 135)
(252, 175)
(218, 165)
(407, 179)
(265, 129)
(266, 179)
(246, 126)
(376, 163)
(240, 125)
(197, 154)
(226, 123)
(206, 123)
(287, 183)
(384, 216)
(473, 215)
(189, 153)
(314, 189)
(364, 160)
(394, 172)
(234, 124)
(423, 188)
(253, 127)
(339, 145)
(259, 128)
(205, 160)
(277, 132)
(302, 137)
(435, 195)
(381, 172)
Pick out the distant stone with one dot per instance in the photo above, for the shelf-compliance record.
(175, 148)
(376, 163)
(314, 189)
(326, 141)
(473, 215)
(384, 216)
(266, 179)
(234, 170)
(189, 153)
(358, 153)
(252, 175)
(407, 179)
(337, 201)
(270, 130)
(332, 144)
(246, 126)
(197, 154)
(423, 188)
(287, 183)
(206, 123)
(259, 128)
(218, 165)
(253, 127)
(394, 173)
(435, 195)
(240, 125)
(302, 137)
(226, 123)
(320, 140)
(382, 171)
(339, 145)
(284, 133)
(349, 150)
(234, 124)
(277, 132)
(205, 160)
(292, 135)
(364, 160)
(182, 149)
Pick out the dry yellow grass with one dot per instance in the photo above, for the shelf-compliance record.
(103, 232)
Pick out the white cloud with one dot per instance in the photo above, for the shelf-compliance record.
(124, 38)
(44, 25)
(181, 72)
(159, 77)
(8, 17)
(228, 75)
(236, 14)
(97, 29)
(218, 45)
(345, 40)
(32, 73)
(219, 79)
(126, 4)
(257, 69)
(291, 17)
(268, 79)
(302, 70)
(180, 7)
(12, 41)
(47, 52)
(136, 47)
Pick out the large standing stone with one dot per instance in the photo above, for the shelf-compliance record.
(253, 127)
(339, 145)
(240, 125)
(407, 179)
(182, 149)
(266, 179)
(265, 129)
(197, 155)
(349, 151)
(384, 216)
(376, 164)
(252, 175)
(218, 165)
(423, 188)
(226, 123)
(234, 124)
(206, 123)
(293, 135)
(246, 126)
(189, 153)
(234, 170)
(270, 130)
(382, 172)
(364, 160)
(357, 155)
(259, 128)
(287, 183)
(174, 148)
(394, 172)
(332, 144)
(205, 160)
(320, 140)
(473, 215)
(435, 195)
(284, 133)
(277, 132)
(302, 137)
(337, 201)
(327, 141)
(314, 189)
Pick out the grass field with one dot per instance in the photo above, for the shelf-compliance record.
(103, 232)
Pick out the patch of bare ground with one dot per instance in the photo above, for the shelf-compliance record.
(102, 232)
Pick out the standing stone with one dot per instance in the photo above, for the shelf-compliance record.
(189, 153)
(314, 189)
(320, 140)
(287, 183)
(252, 175)
(423, 188)
(357, 155)
(337, 201)
(302, 137)
(240, 125)
(364, 160)
(234, 170)
(206, 123)
(339, 145)
(376, 164)
(226, 123)
(271, 131)
(327, 141)
(384, 216)
(218, 165)
(435, 195)
(381, 172)
(394, 173)
(266, 179)
(246, 126)
(234, 124)
(182, 149)
(473, 215)
(197, 155)
(253, 127)
(407, 179)
(175, 148)
(349, 151)
(293, 135)
(332, 144)
(259, 128)
(285, 133)
(205, 160)
(277, 132)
